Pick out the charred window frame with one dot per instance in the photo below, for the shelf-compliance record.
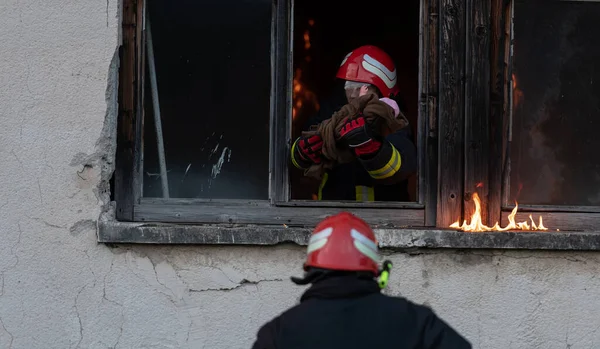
(132, 207)
(475, 102)
(469, 34)
(465, 96)
(504, 94)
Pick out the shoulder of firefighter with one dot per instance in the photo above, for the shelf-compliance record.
(381, 322)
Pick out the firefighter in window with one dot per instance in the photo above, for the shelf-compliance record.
(344, 306)
(360, 145)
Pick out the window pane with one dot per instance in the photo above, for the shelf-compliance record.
(213, 70)
(556, 107)
(323, 36)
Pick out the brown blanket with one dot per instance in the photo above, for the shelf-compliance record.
(376, 112)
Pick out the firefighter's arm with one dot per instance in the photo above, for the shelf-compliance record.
(395, 160)
(388, 160)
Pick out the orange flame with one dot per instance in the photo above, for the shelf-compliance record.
(517, 93)
(303, 96)
(306, 40)
(476, 224)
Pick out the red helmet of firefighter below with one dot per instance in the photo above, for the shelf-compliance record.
(343, 242)
(371, 65)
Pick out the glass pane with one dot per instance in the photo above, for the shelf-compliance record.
(323, 36)
(556, 103)
(213, 69)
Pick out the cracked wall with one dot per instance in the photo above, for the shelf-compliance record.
(60, 289)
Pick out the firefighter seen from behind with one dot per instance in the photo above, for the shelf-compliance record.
(344, 307)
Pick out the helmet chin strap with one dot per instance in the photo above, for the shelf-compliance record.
(314, 275)
(309, 277)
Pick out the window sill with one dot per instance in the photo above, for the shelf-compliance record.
(110, 231)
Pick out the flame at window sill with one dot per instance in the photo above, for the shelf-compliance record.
(476, 225)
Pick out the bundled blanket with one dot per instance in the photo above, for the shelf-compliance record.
(375, 112)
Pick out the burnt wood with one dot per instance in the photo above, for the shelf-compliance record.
(263, 213)
(294, 203)
(138, 166)
(563, 221)
(477, 88)
(499, 40)
(355, 204)
(127, 118)
(554, 208)
(428, 109)
(507, 98)
(280, 102)
(451, 112)
(404, 240)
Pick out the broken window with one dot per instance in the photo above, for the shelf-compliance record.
(555, 104)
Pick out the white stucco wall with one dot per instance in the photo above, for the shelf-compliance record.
(60, 289)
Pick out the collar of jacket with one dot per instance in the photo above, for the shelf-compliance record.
(349, 286)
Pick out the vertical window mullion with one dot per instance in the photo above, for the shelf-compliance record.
(280, 112)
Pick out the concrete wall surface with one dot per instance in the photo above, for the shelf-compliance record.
(61, 289)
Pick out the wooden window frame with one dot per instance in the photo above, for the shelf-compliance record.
(466, 124)
(279, 209)
(463, 127)
(473, 114)
(465, 91)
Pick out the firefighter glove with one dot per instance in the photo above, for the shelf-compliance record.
(360, 136)
(308, 151)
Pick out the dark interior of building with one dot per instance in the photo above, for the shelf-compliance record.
(323, 35)
(554, 150)
(213, 68)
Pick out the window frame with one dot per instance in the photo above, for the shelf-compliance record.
(465, 91)
(279, 209)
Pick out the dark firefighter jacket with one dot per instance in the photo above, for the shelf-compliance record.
(346, 312)
(361, 180)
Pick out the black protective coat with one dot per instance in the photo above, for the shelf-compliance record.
(346, 312)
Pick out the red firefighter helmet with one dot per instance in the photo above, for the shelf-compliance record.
(343, 242)
(372, 65)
